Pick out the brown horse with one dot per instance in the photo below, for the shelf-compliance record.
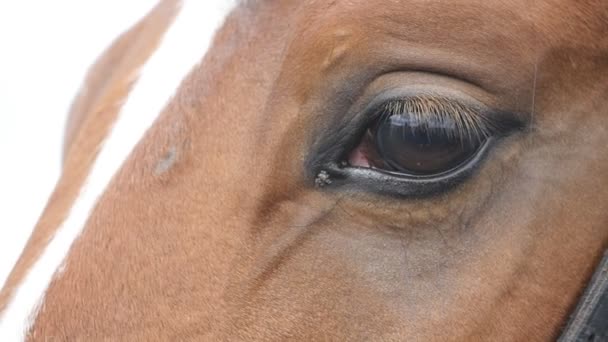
(408, 170)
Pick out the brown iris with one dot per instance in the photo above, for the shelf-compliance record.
(415, 145)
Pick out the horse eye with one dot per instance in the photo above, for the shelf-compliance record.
(411, 145)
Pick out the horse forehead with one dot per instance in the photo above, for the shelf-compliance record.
(551, 22)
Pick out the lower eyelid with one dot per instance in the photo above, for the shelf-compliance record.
(399, 185)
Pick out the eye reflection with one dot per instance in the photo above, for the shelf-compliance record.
(405, 144)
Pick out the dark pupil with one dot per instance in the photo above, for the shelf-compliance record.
(406, 145)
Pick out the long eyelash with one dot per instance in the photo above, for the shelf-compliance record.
(437, 115)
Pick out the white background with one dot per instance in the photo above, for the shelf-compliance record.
(45, 49)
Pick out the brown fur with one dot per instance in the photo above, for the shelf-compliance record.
(233, 242)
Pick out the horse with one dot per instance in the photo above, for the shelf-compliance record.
(389, 170)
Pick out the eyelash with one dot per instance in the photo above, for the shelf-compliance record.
(432, 115)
